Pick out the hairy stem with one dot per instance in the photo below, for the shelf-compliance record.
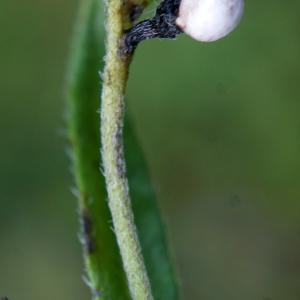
(112, 115)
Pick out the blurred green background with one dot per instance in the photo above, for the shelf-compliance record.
(219, 124)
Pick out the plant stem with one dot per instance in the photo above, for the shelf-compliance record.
(112, 115)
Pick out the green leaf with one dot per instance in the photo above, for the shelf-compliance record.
(101, 254)
(148, 221)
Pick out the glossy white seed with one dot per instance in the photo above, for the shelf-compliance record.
(209, 20)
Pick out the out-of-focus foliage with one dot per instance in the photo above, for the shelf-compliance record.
(219, 124)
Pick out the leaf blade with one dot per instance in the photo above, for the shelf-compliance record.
(101, 254)
(148, 221)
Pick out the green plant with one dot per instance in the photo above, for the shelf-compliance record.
(138, 229)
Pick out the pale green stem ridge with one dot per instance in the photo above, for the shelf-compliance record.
(112, 115)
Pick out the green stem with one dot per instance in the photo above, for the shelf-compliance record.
(112, 115)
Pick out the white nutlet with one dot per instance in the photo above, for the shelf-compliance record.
(209, 20)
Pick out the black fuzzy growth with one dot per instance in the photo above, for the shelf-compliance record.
(162, 25)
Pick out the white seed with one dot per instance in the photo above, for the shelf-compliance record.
(209, 20)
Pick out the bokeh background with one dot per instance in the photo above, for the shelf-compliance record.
(219, 124)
